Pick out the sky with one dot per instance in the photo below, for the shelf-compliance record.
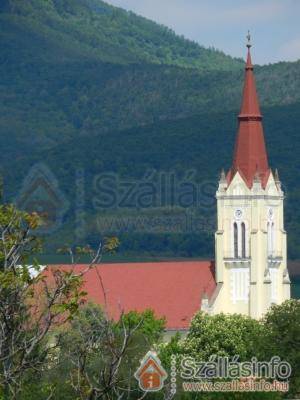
(223, 24)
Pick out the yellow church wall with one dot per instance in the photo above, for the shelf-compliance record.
(249, 283)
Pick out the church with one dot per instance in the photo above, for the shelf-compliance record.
(249, 273)
(250, 242)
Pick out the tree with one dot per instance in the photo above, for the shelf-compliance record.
(31, 304)
(96, 357)
(282, 338)
(223, 335)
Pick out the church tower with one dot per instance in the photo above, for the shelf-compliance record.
(251, 256)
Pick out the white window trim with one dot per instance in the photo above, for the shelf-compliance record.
(240, 238)
(239, 284)
(271, 237)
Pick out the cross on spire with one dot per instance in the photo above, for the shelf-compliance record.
(248, 40)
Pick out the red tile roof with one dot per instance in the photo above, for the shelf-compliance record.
(172, 289)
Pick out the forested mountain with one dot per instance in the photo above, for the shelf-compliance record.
(87, 85)
(95, 31)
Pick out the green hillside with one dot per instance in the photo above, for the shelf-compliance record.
(191, 144)
(85, 85)
(95, 31)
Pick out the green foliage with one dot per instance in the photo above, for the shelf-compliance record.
(149, 326)
(88, 340)
(172, 347)
(14, 224)
(282, 337)
(111, 244)
(223, 335)
(228, 335)
(98, 31)
(237, 335)
(31, 302)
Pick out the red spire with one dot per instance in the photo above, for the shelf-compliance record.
(250, 156)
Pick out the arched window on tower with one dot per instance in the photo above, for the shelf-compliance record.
(235, 240)
(243, 240)
(271, 238)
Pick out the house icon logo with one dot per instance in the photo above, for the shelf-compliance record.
(151, 374)
(40, 192)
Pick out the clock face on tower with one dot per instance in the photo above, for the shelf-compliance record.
(238, 213)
